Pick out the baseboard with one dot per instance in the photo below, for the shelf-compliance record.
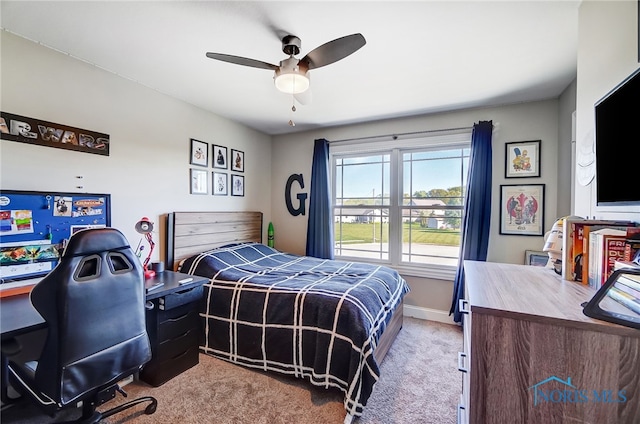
(428, 314)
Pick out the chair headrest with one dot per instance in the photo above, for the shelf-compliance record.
(95, 240)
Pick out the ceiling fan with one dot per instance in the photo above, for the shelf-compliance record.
(292, 75)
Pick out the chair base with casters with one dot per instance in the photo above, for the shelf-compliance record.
(91, 416)
(89, 413)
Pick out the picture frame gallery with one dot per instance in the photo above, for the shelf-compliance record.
(222, 158)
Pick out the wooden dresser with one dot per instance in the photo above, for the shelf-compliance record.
(531, 355)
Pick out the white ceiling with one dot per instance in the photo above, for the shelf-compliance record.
(420, 57)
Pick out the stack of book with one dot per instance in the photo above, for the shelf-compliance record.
(626, 291)
(632, 246)
(591, 247)
(605, 247)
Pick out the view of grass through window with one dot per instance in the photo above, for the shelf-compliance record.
(366, 233)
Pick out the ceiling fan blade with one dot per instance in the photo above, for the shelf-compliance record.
(242, 61)
(304, 98)
(333, 51)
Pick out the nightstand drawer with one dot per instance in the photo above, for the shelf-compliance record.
(157, 373)
(177, 323)
(176, 299)
(174, 347)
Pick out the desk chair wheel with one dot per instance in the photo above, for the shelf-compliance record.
(151, 408)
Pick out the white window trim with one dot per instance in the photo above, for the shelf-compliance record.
(363, 147)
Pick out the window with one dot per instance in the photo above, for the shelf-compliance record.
(362, 205)
(401, 205)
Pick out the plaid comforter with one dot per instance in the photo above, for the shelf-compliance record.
(312, 318)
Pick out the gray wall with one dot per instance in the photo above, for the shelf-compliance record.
(520, 122)
(566, 149)
(147, 172)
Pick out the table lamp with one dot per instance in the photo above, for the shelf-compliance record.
(145, 227)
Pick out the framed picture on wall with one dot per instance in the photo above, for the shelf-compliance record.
(522, 210)
(220, 180)
(237, 160)
(522, 159)
(199, 181)
(237, 185)
(219, 157)
(535, 258)
(199, 153)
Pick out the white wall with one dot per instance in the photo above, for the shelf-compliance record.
(520, 122)
(607, 54)
(147, 172)
(566, 147)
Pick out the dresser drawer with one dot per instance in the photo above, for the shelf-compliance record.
(461, 415)
(179, 321)
(464, 363)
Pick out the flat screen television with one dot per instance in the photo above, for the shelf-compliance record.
(617, 142)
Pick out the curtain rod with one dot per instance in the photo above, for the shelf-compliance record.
(395, 136)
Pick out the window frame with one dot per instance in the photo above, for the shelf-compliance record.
(366, 147)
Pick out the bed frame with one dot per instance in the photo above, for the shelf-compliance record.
(190, 233)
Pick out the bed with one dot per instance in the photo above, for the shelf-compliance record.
(329, 322)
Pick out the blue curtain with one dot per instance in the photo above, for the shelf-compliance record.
(477, 208)
(320, 225)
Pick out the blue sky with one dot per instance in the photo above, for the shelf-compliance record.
(427, 175)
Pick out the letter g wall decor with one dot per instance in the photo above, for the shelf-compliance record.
(302, 197)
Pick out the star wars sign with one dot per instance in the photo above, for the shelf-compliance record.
(34, 131)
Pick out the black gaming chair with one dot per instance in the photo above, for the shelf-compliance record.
(93, 303)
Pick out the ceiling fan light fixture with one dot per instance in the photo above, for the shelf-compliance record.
(291, 81)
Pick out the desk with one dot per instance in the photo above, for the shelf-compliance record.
(18, 316)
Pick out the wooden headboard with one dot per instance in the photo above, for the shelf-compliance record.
(189, 233)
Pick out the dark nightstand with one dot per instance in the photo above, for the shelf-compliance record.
(173, 325)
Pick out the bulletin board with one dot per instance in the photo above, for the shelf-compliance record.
(35, 227)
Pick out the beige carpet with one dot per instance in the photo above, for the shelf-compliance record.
(419, 383)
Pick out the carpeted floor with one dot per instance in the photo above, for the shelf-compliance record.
(419, 383)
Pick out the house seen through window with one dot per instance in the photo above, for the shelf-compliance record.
(401, 204)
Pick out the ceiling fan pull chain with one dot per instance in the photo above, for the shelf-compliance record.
(293, 109)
